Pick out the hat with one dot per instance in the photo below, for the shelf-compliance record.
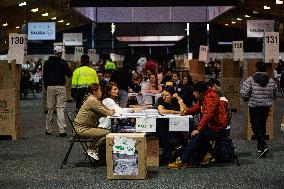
(58, 49)
(170, 89)
(200, 87)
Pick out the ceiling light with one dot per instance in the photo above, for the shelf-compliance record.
(18, 27)
(207, 27)
(44, 14)
(226, 24)
(150, 38)
(255, 12)
(247, 16)
(61, 21)
(67, 24)
(224, 43)
(22, 4)
(239, 19)
(34, 10)
(233, 22)
(279, 2)
(151, 45)
(6, 24)
(53, 18)
(266, 7)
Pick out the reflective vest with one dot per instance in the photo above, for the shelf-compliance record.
(84, 76)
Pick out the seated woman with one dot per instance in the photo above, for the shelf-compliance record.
(87, 120)
(169, 103)
(152, 87)
(185, 90)
(135, 87)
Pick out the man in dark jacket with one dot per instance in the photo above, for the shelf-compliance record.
(259, 91)
(54, 72)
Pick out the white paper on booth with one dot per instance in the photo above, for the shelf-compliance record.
(238, 50)
(271, 47)
(79, 51)
(147, 124)
(179, 123)
(124, 145)
(17, 45)
(203, 53)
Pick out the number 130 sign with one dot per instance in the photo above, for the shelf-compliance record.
(271, 47)
(17, 43)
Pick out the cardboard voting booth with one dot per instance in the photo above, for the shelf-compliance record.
(126, 155)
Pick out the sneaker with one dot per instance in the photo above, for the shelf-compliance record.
(264, 151)
(93, 154)
(47, 133)
(62, 134)
(178, 164)
(208, 158)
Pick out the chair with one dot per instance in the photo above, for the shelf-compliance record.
(76, 138)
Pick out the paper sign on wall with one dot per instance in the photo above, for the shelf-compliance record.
(203, 53)
(79, 51)
(145, 124)
(17, 45)
(238, 50)
(92, 54)
(124, 145)
(73, 39)
(178, 124)
(271, 47)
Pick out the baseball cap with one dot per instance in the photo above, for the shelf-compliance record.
(58, 49)
(200, 87)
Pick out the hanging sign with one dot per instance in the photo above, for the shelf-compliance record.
(73, 39)
(203, 53)
(79, 51)
(41, 30)
(255, 28)
(92, 54)
(271, 47)
(145, 124)
(17, 45)
(238, 50)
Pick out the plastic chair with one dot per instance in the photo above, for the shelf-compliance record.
(76, 138)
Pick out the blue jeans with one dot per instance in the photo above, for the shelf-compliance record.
(199, 143)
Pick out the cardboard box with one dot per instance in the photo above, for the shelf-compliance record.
(269, 124)
(230, 69)
(152, 151)
(126, 156)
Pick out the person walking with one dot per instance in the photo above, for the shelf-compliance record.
(259, 91)
(54, 72)
(81, 79)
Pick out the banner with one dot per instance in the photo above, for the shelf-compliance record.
(73, 39)
(271, 47)
(17, 48)
(238, 50)
(255, 28)
(41, 30)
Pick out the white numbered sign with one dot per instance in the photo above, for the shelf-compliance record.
(145, 125)
(178, 124)
(92, 54)
(238, 50)
(271, 47)
(17, 44)
(79, 51)
(203, 53)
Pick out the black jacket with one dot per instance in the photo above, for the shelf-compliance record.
(54, 71)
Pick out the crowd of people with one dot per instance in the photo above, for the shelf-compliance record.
(104, 93)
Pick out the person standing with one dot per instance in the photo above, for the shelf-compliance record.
(54, 72)
(259, 91)
(82, 78)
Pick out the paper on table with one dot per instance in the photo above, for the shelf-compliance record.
(124, 145)
(145, 124)
(179, 124)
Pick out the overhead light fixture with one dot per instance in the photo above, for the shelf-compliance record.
(151, 45)
(255, 12)
(247, 16)
(226, 24)
(67, 24)
(207, 27)
(112, 28)
(150, 38)
(44, 14)
(224, 43)
(233, 22)
(61, 21)
(239, 19)
(53, 18)
(22, 4)
(18, 27)
(6, 24)
(266, 7)
(279, 2)
(34, 10)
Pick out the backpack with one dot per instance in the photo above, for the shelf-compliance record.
(224, 151)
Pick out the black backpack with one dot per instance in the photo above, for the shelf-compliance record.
(224, 151)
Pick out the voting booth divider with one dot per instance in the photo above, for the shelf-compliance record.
(10, 109)
(126, 156)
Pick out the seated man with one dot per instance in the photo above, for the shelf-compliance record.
(211, 126)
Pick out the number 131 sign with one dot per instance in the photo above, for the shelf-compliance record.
(271, 47)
